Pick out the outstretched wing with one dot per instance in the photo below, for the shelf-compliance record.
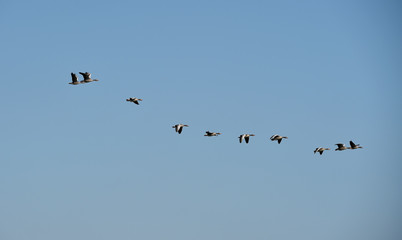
(86, 75)
(74, 77)
(279, 141)
(241, 138)
(352, 144)
(246, 138)
(340, 145)
(180, 129)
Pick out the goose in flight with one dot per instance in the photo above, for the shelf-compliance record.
(74, 79)
(277, 138)
(134, 100)
(354, 146)
(320, 150)
(341, 147)
(211, 134)
(246, 137)
(179, 127)
(87, 77)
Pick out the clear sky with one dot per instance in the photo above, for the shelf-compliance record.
(79, 162)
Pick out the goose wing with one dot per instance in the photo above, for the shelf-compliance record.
(340, 145)
(180, 129)
(246, 138)
(241, 138)
(74, 77)
(86, 75)
(352, 144)
(279, 140)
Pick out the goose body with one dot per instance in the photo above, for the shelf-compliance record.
(246, 137)
(87, 77)
(354, 146)
(211, 134)
(74, 79)
(134, 100)
(179, 127)
(341, 147)
(320, 150)
(278, 138)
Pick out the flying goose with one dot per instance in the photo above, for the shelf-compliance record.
(74, 79)
(354, 146)
(134, 100)
(341, 147)
(179, 127)
(246, 137)
(87, 77)
(211, 134)
(277, 138)
(320, 150)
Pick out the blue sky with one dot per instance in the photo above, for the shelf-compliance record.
(79, 162)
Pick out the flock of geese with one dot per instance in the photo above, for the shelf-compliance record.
(87, 78)
(179, 127)
(341, 147)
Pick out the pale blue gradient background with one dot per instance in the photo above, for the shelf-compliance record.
(79, 162)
